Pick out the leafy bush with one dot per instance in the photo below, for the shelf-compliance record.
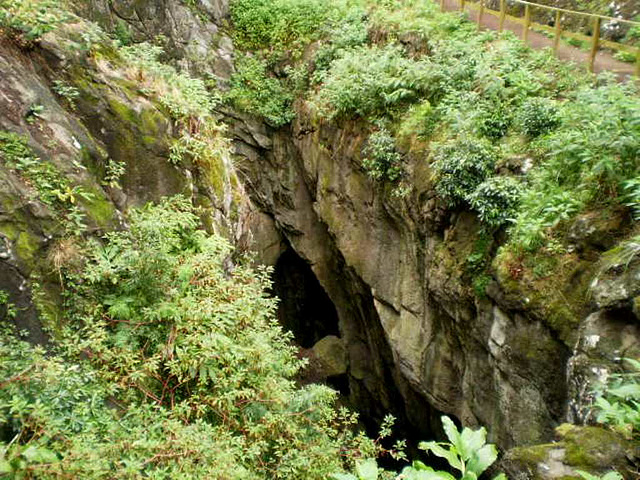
(272, 23)
(496, 199)
(608, 476)
(466, 451)
(618, 401)
(255, 91)
(461, 166)
(171, 365)
(538, 116)
(184, 96)
(420, 120)
(349, 31)
(113, 172)
(371, 81)
(381, 160)
(631, 197)
(587, 161)
(66, 91)
(494, 122)
(30, 19)
(53, 188)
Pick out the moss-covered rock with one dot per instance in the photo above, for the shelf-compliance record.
(331, 353)
(591, 449)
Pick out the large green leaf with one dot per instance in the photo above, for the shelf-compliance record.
(39, 455)
(367, 469)
(450, 455)
(5, 467)
(343, 476)
(471, 441)
(482, 459)
(427, 473)
(629, 390)
(452, 433)
(608, 476)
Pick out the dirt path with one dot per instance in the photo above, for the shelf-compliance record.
(604, 60)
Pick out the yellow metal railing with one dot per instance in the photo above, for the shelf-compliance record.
(557, 31)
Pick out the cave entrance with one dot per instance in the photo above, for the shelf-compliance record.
(304, 309)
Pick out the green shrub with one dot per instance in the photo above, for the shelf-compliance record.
(381, 160)
(631, 196)
(348, 32)
(467, 451)
(255, 91)
(66, 91)
(586, 161)
(171, 365)
(618, 401)
(538, 116)
(496, 199)
(122, 33)
(184, 96)
(30, 19)
(494, 122)
(371, 82)
(460, 167)
(541, 211)
(420, 120)
(273, 23)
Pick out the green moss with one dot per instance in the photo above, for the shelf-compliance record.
(98, 208)
(122, 111)
(215, 173)
(10, 231)
(48, 300)
(27, 246)
(559, 298)
(152, 121)
(531, 456)
(592, 447)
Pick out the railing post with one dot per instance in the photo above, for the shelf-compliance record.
(503, 13)
(527, 23)
(557, 33)
(442, 5)
(595, 41)
(480, 14)
(462, 2)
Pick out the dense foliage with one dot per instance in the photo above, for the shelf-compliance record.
(171, 361)
(482, 91)
(466, 452)
(28, 20)
(618, 400)
(269, 23)
(254, 91)
(371, 81)
(381, 160)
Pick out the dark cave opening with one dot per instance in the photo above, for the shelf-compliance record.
(304, 309)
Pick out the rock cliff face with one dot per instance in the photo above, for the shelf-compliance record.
(517, 358)
(109, 120)
(408, 321)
